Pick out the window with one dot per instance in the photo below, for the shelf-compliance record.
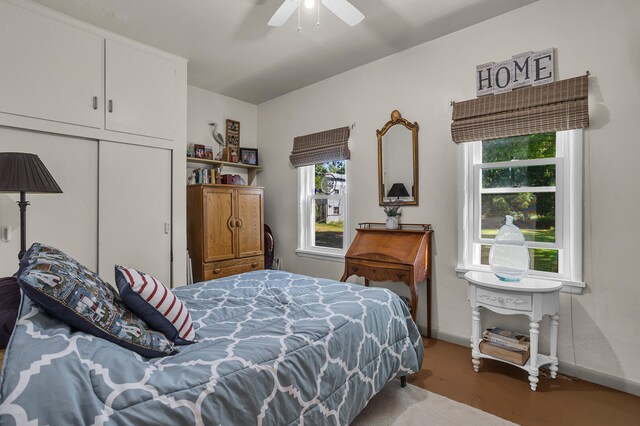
(323, 207)
(537, 179)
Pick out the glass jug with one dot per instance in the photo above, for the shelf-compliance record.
(509, 255)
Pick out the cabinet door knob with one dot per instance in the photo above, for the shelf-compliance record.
(231, 223)
(217, 271)
(239, 223)
(95, 102)
(254, 264)
(110, 105)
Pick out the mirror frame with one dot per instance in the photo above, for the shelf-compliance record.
(396, 119)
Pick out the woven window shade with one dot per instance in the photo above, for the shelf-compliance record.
(562, 105)
(330, 145)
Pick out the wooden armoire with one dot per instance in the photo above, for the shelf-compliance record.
(225, 230)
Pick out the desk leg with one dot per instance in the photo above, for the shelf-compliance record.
(428, 308)
(553, 346)
(475, 339)
(414, 302)
(533, 366)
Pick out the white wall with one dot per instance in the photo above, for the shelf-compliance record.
(204, 107)
(602, 37)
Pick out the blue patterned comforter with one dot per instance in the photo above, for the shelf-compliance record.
(274, 348)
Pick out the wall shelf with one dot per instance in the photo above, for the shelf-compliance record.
(251, 169)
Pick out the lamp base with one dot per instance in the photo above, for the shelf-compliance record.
(22, 205)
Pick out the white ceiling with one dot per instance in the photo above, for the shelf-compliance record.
(232, 51)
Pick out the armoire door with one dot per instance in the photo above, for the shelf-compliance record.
(49, 69)
(140, 92)
(219, 224)
(134, 210)
(67, 221)
(250, 224)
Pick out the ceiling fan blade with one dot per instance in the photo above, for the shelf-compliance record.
(345, 11)
(284, 12)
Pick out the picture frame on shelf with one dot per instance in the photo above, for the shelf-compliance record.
(199, 151)
(249, 156)
(208, 152)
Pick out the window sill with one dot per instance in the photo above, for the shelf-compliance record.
(571, 287)
(321, 255)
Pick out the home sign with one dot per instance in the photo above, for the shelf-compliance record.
(524, 69)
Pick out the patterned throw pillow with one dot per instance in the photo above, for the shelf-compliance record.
(79, 297)
(156, 304)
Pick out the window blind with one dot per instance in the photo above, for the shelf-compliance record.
(321, 147)
(562, 105)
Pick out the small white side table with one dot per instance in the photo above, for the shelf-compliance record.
(533, 297)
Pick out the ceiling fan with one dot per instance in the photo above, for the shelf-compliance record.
(341, 8)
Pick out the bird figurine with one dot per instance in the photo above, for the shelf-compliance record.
(216, 135)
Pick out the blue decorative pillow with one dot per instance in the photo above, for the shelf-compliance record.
(72, 293)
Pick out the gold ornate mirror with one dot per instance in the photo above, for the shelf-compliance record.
(398, 162)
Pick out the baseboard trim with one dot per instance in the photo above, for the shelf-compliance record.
(582, 373)
(604, 379)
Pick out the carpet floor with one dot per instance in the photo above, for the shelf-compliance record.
(395, 406)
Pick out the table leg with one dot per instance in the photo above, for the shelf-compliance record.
(533, 360)
(475, 339)
(553, 346)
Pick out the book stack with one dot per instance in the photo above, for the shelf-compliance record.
(506, 345)
(202, 177)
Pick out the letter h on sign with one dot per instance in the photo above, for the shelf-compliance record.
(484, 77)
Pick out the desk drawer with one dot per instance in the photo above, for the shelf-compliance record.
(380, 271)
(516, 301)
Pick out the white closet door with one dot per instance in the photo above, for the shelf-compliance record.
(140, 90)
(135, 210)
(49, 69)
(68, 221)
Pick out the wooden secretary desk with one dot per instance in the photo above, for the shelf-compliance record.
(400, 255)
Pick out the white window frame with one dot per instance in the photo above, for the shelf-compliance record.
(568, 189)
(306, 216)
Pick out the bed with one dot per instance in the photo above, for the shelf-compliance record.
(272, 348)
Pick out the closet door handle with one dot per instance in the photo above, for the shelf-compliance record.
(231, 223)
(239, 223)
(95, 102)
(110, 105)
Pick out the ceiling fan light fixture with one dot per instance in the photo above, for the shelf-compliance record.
(341, 8)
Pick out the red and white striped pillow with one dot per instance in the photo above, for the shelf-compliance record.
(154, 303)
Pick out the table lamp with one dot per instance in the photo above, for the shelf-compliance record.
(398, 190)
(22, 172)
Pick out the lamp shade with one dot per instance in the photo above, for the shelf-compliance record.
(398, 190)
(22, 172)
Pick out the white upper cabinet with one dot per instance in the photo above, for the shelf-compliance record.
(140, 92)
(49, 69)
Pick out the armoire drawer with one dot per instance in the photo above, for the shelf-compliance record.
(213, 270)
